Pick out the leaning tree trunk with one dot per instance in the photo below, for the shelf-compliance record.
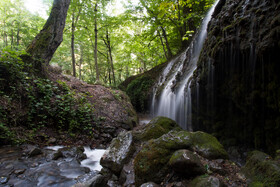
(50, 37)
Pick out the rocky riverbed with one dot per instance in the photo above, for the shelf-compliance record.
(28, 165)
(158, 153)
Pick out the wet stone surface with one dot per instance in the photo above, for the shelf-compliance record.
(18, 169)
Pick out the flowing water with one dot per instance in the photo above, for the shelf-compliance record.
(72, 167)
(172, 95)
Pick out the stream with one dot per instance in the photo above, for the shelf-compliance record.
(55, 166)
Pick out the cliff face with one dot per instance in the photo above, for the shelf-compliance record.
(238, 95)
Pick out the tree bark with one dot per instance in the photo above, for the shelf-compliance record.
(73, 44)
(95, 46)
(165, 53)
(81, 62)
(110, 55)
(169, 52)
(50, 37)
(18, 36)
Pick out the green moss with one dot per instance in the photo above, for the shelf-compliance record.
(205, 181)
(208, 146)
(156, 128)
(138, 90)
(262, 169)
(151, 163)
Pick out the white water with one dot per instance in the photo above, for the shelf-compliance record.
(93, 159)
(54, 148)
(176, 103)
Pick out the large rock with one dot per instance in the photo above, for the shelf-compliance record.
(34, 152)
(186, 163)
(156, 128)
(151, 163)
(118, 152)
(206, 181)
(262, 170)
(208, 146)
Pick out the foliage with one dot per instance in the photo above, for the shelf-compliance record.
(131, 38)
(134, 36)
(35, 103)
(17, 26)
(49, 105)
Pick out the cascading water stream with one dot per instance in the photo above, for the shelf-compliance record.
(172, 95)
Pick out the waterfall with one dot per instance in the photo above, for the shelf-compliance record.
(172, 95)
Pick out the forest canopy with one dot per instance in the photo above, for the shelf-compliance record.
(107, 41)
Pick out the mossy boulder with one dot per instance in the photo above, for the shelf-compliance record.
(118, 152)
(156, 128)
(208, 146)
(151, 163)
(139, 91)
(262, 169)
(186, 163)
(206, 181)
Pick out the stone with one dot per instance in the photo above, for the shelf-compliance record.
(186, 163)
(127, 177)
(96, 181)
(151, 163)
(34, 152)
(157, 127)
(262, 169)
(206, 181)
(19, 171)
(150, 184)
(4, 180)
(208, 146)
(58, 154)
(118, 152)
(52, 140)
(216, 168)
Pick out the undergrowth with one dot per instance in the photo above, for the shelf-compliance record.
(36, 102)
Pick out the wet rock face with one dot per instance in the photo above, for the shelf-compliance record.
(238, 75)
(118, 152)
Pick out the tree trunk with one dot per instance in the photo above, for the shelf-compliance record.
(165, 53)
(110, 55)
(50, 37)
(18, 36)
(81, 62)
(5, 35)
(73, 45)
(109, 68)
(169, 52)
(95, 46)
